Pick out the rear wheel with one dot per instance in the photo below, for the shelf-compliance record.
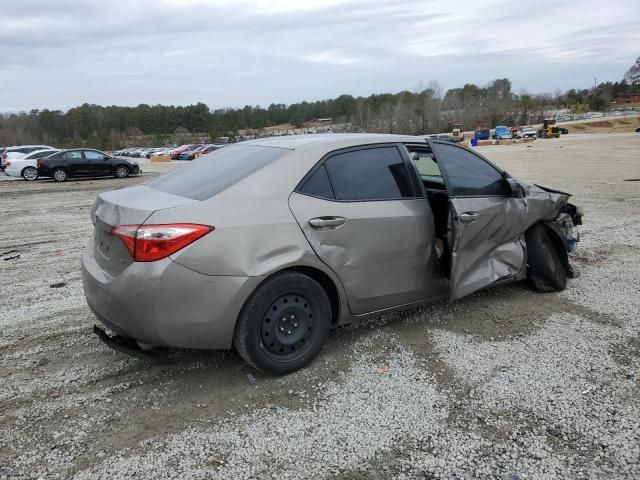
(546, 270)
(121, 172)
(284, 324)
(30, 173)
(60, 175)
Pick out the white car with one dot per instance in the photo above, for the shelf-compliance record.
(20, 151)
(529, 132)
(161, 151)
(27, 166)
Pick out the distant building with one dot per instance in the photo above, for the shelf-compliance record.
(631, 98)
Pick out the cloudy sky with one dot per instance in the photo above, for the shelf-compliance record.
(61, 53)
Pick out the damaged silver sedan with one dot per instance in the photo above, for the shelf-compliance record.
(267, 245)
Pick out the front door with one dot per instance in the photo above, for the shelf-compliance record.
(96, 163)
(363, 217)
(76, 164)
(488, 222)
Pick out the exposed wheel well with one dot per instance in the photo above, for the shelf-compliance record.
(325, 282)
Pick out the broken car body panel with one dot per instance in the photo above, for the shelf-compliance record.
(488, 230)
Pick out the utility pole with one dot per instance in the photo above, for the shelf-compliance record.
(594, 83)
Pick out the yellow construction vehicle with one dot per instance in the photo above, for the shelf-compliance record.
(457, 133)
(549, 129)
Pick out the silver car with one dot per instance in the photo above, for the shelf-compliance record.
(267, 245)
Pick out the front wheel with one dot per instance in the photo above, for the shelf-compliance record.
(284, 324)
(30, 174)
(546, 270)
(121, 172)
(60, 175)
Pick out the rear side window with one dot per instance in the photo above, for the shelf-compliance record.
(41, 154)
(318, 184)
(370, 174)
(207, 176)
(468, 174)
(73, 155)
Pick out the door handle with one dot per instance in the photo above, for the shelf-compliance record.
(327, 222)
(468, 217)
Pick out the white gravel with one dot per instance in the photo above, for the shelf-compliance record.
(374, 409)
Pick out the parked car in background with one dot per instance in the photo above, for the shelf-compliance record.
(84, 162)
(161, 151)
(444, 136)
(529, 132)
(151, 151)
(482, 133)
(175, 155)
(210, 148)
(145, 152)
(20, 151)
(190, 154)
(202, 150)
(502, 133)
(27, 166)
(338, 228)
(175, 152)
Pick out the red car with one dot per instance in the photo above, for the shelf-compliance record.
(191, 155)
(176, 153)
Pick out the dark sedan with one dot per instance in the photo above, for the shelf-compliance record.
(85, 163)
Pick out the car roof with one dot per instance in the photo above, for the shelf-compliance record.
(331, 141)
(18, 147)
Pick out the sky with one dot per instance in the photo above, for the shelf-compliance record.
(57, 54)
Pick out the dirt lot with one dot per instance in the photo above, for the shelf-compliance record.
(505, 384)
(606, 125)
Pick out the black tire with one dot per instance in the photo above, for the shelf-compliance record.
(29, 174)
(59, 175)
(121, 171)
(546, 269)
(294, 337)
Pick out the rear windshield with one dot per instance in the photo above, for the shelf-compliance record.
(217, 171)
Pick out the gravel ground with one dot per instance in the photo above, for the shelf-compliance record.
(507, 383)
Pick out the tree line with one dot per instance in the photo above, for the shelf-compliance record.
(426, 109)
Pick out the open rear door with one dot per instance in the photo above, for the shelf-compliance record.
(487, 223)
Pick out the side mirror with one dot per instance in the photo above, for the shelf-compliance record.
(516, 189)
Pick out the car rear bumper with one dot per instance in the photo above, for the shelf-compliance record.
(12, 172)
(165, 304)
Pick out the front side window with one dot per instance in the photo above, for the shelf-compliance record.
(73, 155)
(369, 174)
(468, 174)
(93, 155)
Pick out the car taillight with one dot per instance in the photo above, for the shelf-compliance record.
(148, 243)
(40, 162)
(7, 164)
